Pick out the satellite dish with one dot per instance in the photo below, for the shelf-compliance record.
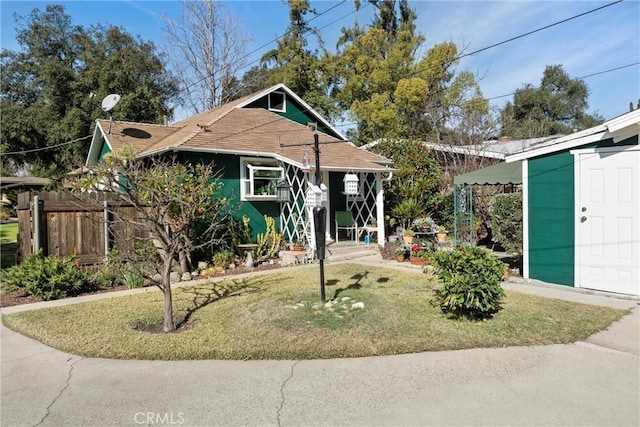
(110, 101)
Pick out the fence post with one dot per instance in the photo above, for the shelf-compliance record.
(106, 229)
(36, 223)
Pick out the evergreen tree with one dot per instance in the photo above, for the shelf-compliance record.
(557, 106)
(46, 88)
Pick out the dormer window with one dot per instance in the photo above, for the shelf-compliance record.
(277, 102)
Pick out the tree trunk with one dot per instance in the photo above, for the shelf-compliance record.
(167, 325)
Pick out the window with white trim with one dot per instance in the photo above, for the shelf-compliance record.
(259, 178)
(278, 102)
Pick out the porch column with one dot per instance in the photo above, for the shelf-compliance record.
(380, 208)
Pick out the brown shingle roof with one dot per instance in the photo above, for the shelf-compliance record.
(248, 131)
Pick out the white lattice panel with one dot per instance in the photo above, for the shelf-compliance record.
(363, 206)
(293, 215)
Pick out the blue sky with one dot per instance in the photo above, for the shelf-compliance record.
(599, 41)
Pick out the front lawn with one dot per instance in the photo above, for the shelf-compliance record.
(277, 316)
(8, 244)
(9, 232)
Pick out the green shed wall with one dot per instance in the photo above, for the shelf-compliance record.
(551, 214)
(551, 225)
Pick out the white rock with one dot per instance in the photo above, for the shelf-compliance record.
(157, 278)
(345, 299)
(202, 265)
(185, 276)
(174, 277)
(357, 305)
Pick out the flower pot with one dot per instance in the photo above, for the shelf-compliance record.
(442, 237)
(400, 258)
(505, 274)
(407, 240)
(418, 260)
(297, 248)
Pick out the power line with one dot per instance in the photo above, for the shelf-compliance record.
(46, 148)
(286, 33)
(415, 73)
(540, 29)
(454, 60)
(579, 78)
(457, 58)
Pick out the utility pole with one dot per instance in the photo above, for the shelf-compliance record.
(319, 217)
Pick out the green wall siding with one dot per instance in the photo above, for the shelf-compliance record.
(551, 222)
(255, 211)
(105, 150)
(294, 112)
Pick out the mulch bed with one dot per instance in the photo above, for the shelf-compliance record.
(21, 296)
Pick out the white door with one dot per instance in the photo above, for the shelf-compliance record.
(608, 223)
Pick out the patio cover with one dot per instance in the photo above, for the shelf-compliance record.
(501, 173)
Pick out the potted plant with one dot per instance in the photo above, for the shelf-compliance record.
(407, 236)
(419, 255)
(441, 235)
(400, 254)
(298, 245)
(422, 223)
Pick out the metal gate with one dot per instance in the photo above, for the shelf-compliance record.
(463, 214)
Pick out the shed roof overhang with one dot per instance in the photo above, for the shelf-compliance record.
(501, 173)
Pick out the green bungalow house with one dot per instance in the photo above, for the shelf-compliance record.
(258, 141)
(581, 208)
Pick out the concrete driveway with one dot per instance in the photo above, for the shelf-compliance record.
(596, 382)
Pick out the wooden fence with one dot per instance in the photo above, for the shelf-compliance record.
(64, 223)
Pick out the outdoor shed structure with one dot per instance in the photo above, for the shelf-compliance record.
(498, 174)
(581, 208)
(259, 141)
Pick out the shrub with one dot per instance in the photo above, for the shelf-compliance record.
(223, 258)
(47, 278)
(470, 278)
(506, 221)
(268, 242)
(390, 250)
(133, 279)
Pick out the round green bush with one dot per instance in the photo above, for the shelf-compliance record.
(470, 278)
(47, 278)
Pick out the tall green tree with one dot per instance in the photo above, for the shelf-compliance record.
(389, 91)
(51, 89)
(415, 188)
(308, 72)
(558, 106)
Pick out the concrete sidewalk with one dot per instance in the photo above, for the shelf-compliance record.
(596, 382)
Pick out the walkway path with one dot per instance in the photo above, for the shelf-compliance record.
(588, 383)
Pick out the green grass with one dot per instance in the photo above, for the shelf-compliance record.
(8, 254)
(257, 318)
(9, 232)
(8, 245)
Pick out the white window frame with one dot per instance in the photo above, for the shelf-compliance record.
(249, 168)
(284, 102)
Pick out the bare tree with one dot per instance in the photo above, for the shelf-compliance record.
(206, 49)
(169, 199)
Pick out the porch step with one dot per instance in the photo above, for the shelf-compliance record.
(342, 251)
